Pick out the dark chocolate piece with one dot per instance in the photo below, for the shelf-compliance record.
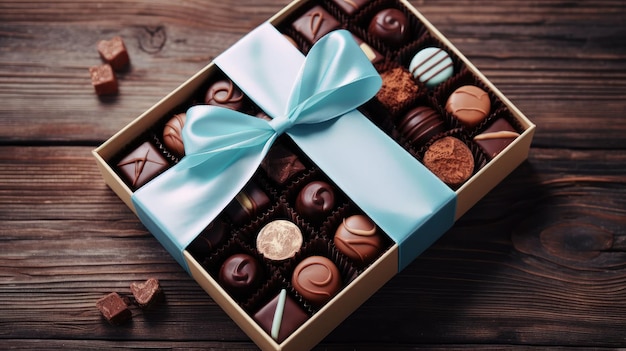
(398, 88)
(103, 79)
(315, 201)
(281, 164)
(315, 23)
(281, 316)
(142, 164)
(358, 238)
(317, 279)
(225, 94)
(391, 26)
(496, 138)
(146, 293)
(240, 274)
(350, 6)
(371, 53)
(173, 134)
(114, 309)
(450, 160)
(211, 237)
(469, 104)
(421, 124)
(249, 203)
(279, 240)
(114, 53)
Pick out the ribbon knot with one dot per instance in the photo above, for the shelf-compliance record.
(281, 124)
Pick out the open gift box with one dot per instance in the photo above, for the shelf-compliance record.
(263, 122)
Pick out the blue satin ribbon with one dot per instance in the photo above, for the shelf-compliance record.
(305, 97)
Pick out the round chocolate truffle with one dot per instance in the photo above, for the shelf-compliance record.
(279, 240)
(212, 236)
(450, 160)
(469, 104)
(225, 94)
(358, 238)
(173, 135)
(240, 274)
(315, 200)
(421, 124)
(432, 66)
(317, 279)
(390, 26)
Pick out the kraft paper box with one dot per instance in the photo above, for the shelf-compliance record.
(317, 97)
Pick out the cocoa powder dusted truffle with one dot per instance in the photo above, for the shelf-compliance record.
(398, 87)
(173, 134)
(358, 238)
(450, 160)
(317, 279)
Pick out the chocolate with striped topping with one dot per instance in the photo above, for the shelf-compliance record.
(432, 66)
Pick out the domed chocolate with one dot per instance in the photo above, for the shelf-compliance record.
(225, 94)
(432, 66)
(469, 104)
(173, 135)
(421, 124)
(240, 274)
(206, 243)
(317, 279)
(390, 26)
(450, 160)
(279, 240)
(358, 238)
(315, 200)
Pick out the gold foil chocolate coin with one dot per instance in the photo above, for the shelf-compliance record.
(279, 240)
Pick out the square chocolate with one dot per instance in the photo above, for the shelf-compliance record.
(103, 79)
(280, 325)
(142, 164)
(350, 6)
(114, 308)
(315, 23)
(496, 138)
(114, 52)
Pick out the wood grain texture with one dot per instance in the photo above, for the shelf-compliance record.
(539, 262)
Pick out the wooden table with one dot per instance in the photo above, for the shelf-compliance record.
(540, 261)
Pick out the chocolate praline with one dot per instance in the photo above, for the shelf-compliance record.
(248, 203)
(398, 88)
(317, 279)
(209, 239)
(450, 160)
(350, 6)
(281, 164)
(225, 94)
(496, 138)
(142, 164)
(240, 274)
(358, 238)
(432, 66)
(391, 26)
(421, 124)
(315, 23)
(280, 325)
(173, 134)
(315, 201)
(469, 104)
(279, 240)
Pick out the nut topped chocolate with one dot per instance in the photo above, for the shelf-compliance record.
(317, 279)
(225, 94)
(173, 134)
(391, 26)
(358, 238)
(315, 201)
(315, 23)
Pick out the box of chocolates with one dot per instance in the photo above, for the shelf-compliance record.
(313, 160)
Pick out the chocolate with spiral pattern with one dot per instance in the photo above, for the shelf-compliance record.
(317, 279)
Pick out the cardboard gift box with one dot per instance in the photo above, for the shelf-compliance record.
(327, 110)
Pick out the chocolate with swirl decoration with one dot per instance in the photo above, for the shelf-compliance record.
(173, 134)
(240, 274)
(391, 26)
(225, 94)
(315, 200)
(358, 238)
(315, 23)
(469, 104)
(317, 279)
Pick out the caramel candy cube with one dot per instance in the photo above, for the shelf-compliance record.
(103, 79)
(114, 53)
(114, 309)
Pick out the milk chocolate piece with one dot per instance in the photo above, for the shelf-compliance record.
(114, 53)
(496, 138)
(225, 94)
(469, 104)
(315, 23)
(315, 201)
(173, 134)
(279, 240)
(281, 164)
(421, 124)
(211, 237)
(391, 26)
(240, 274)
(358, 238)
(350, 6)
(317, 279)
(146, 293)
(103, 79)
(248, 204)
(142, 164)
(114, 308)
(281, 316)
(450, 160)
(398, 87)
